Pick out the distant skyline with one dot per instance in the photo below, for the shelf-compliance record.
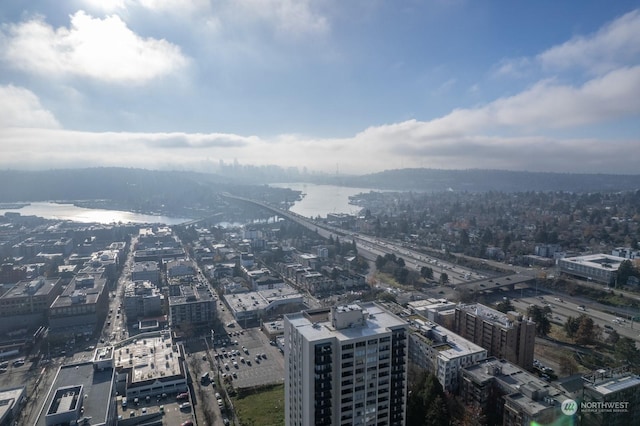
(351, 86)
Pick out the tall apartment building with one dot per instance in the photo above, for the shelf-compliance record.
(506, 336)
(345, 365)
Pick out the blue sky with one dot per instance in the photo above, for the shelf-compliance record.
(360, 85)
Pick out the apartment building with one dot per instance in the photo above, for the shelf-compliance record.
(27, 303)
(345, 365)
(442, 352)
(191, 304)
(80, 309)
(610, 397)
(146, 271)
(507, 336)
(508, 395)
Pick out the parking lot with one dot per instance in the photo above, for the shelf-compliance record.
(257, 362)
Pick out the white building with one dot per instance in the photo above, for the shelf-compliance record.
(597, 267)
(345, 365)
(442, 352)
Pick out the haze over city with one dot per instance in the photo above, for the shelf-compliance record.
(330, 85)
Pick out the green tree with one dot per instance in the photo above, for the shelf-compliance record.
(626, 350)
(505, 306)
(426, 273)
(625, 271)
(426, 404)
(444, 278)
(541, 316)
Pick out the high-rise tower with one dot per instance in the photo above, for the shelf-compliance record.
(345, 365)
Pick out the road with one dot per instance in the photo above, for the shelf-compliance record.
(372, 247)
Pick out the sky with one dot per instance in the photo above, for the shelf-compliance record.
(349, 87)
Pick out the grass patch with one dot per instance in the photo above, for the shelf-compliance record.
(390, 281)
(263, 406)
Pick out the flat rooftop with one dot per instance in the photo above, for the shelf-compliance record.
(150, 356)
(449, 344)
(260, 300)
(318, 326)
(97, 387)
(36, 287)
(599, 261)
(616, 384)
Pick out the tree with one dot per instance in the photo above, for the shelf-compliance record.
(426, 273)
(571, 326)
(625, 271)
(568, 365)
(584, 335)
(505, 306)
(613, 337)
(426, 403)
(444, 278)
(626, 350)
(541, 317)
(464, 238)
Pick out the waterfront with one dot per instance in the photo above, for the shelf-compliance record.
(320, 200)
(58, 211)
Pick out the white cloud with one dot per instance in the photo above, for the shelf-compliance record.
(614, 45)
(20, 107)
(102, 49)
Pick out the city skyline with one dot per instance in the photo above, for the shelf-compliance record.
(357, 87)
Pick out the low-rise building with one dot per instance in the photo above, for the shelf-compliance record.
(80, 393)
(80, 309)
(146, 271)
(610, 397)
(191, 304)
(27, 303)
(601, 268)
(150, 365)
(11, 402)
(251, 307)
(509, 395)
(142, 299)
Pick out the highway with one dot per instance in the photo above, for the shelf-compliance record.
(371, 247)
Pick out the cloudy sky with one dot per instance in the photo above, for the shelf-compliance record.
(357, 86)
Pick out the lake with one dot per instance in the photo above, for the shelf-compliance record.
(55, 211)
(320, 200)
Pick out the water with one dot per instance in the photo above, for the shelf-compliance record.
(55, 211)
(323, 199)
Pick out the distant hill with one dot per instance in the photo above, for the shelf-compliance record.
(148, 190)
(98, 183)
(433, 180)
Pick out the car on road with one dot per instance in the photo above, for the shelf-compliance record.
(185, 406)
